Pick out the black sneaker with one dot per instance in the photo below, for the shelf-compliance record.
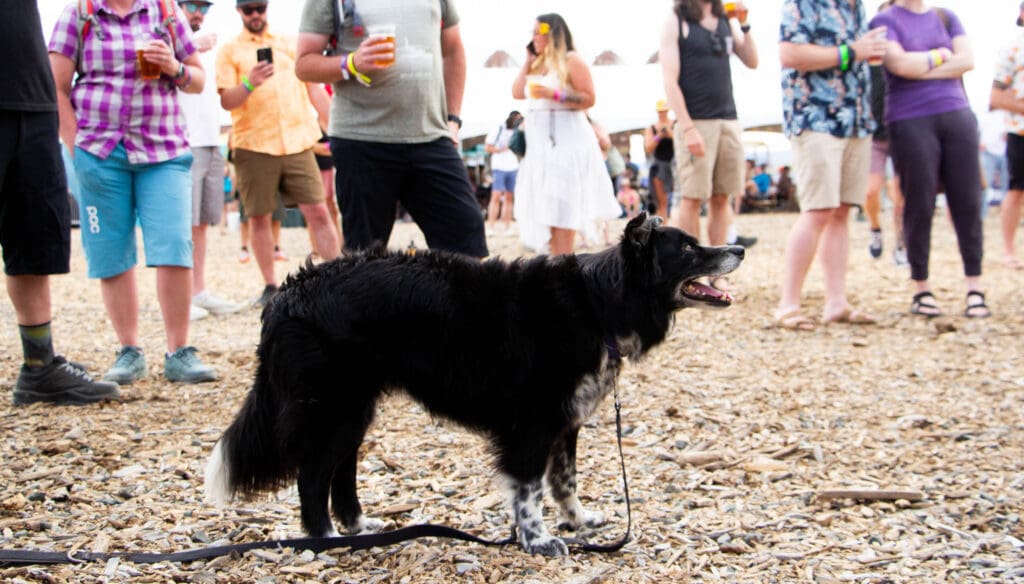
(269, 291)
(61, 382)
(875, 247)
(744, 241)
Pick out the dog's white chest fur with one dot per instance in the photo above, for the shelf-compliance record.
(594, 387)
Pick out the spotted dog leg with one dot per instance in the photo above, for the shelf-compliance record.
(527, 505)
(562, 480)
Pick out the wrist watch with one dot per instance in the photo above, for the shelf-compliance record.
(456, 119)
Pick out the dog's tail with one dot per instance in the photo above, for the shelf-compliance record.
(247, 458)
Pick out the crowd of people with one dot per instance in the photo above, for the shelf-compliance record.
(344, 123)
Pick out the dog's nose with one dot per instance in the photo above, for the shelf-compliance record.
(739, 250)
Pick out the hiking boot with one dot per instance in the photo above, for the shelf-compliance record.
(214, 304)
(269, 291)
(875, 247)
(61, 382)
(129, 367)
(744, 241)
(184, 365)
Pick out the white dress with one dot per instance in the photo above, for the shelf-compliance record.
(563, 181)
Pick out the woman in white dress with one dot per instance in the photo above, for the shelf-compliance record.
(563, 185)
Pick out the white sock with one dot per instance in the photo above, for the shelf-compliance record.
(731, 236)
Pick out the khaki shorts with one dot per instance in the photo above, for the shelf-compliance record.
(830, 171)
(262, 176)
(722, 168)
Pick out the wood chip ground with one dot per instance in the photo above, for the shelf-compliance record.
(892, 453)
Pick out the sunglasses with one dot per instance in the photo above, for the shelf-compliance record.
(195, 7)
(258, 8)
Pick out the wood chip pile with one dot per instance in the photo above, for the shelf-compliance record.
(892, 453)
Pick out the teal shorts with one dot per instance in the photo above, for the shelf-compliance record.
(117, 195)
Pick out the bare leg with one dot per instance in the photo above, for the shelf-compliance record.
(263, 246)
(687, 217)
(661, 198)
(835, 251)
(801, 247)
(319, 221)
(174, 290)
(562, 241)
(121, 299)
(30, 295)
(1009, 216)
(720, 217)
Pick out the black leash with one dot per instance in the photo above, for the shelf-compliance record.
(320, 544)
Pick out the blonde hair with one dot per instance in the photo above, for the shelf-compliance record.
(555, 54)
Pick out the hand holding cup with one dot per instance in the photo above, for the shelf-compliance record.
(872, 45)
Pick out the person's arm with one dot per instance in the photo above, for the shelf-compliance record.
(604, 140)
(668, 55)
(579, 95)
(810, 57)
(519, 84)
(233, 97)
(313, 66)
(453, 55)
(922, 64)
(63, 72)
(743, 43)
(321, 102)
(1002, 97)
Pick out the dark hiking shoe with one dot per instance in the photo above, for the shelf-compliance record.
(61, 382)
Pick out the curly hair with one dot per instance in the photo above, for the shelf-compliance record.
(693, 10)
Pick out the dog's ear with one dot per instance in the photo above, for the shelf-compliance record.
(638, 230)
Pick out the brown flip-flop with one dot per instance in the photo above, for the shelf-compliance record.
(850, 315)
(794, 320)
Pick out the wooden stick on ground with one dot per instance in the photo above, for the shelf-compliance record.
(870, 494)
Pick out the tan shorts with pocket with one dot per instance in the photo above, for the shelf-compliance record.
(830, 171)
(722, 168)
(262, 176)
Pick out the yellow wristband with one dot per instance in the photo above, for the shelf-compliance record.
(360, 77)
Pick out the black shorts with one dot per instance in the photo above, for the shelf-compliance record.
(1015, 161)
(35, 216)
(428, 179)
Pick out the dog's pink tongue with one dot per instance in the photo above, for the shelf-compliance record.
(698, 290)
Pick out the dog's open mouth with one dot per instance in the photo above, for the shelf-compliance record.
(697, 292)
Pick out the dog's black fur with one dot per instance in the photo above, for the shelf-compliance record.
(522, 352)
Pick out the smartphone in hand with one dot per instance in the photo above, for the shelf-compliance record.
(532, 48)
(265, 54)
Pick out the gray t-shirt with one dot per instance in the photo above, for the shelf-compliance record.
(406, 102)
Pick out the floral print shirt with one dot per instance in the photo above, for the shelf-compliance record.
(1010, 74)
(828, 101)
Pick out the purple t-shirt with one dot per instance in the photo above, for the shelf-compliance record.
(915, 98)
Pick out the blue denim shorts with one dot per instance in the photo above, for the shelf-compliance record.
(505, 181)
(117, 195)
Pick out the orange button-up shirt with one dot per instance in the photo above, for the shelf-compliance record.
(277, 118)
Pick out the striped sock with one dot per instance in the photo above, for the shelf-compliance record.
(36, 344)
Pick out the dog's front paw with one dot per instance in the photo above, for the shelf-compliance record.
(545, 545)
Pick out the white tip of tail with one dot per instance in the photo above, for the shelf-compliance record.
(215, 485)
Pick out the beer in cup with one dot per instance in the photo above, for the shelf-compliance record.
(877, 60)
(734, 10)
(383, 33)
(147, 71)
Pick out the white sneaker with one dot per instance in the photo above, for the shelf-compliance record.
(214, 305)
(197, 312)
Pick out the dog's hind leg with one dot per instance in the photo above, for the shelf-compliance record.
(344, 496)
(562, 480)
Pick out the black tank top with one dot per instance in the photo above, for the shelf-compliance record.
(704, 72)
(665, 151)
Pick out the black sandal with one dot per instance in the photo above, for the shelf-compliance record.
(977, 309)
(923, 304)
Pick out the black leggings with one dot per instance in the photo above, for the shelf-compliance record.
(929, 151)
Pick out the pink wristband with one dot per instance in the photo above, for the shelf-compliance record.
(557, 95)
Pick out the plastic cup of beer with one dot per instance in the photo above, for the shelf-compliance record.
(383, 33)
(874, 61)
(147, 70)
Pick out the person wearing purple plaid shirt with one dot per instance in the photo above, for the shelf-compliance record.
(132, 160)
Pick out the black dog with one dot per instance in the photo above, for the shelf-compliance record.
(522, 352)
